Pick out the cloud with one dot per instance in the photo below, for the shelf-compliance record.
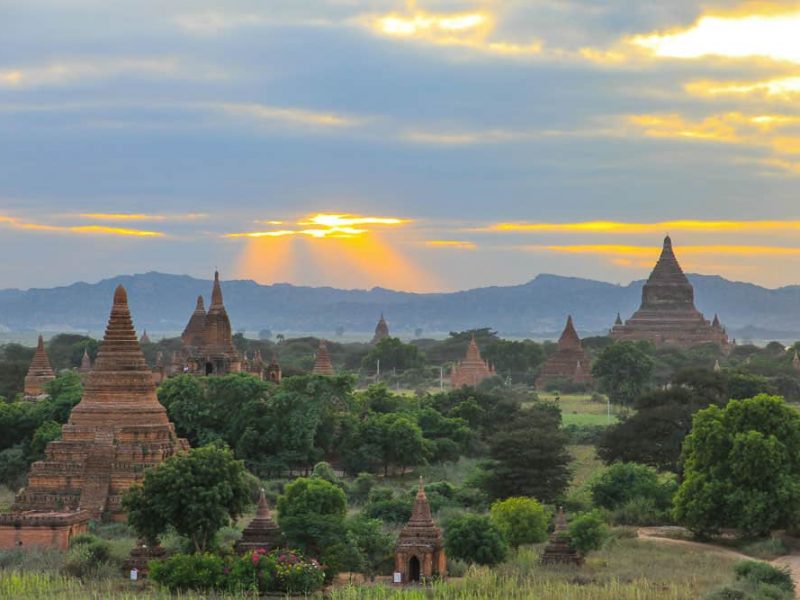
(473, 30)
(70, 70)
(782, 88)
(744, 34)
(660, 227)
(267, 113)
(324, 225)
(142, 217)
(648, 251)
(16, 223)
(455, 244)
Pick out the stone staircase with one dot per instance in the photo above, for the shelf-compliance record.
(97, 474)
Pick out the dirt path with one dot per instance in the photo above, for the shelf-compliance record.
(656, 534)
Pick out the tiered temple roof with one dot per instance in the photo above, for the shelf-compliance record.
(208, 339)
(568, 362)
(262, 532)
(39, 373)
(322, 362)
(273, 372)
(472, 370)
(116, 432)
(419, 552)
(667, 315)
(381, 331)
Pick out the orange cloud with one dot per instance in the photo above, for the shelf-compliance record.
(141, 217)
(16, 223)
(458, 244)
(324, 225)
(645, 228)
(651, 251)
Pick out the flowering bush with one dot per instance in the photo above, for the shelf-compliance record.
(278, 571)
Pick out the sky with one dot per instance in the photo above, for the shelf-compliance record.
(426, 145)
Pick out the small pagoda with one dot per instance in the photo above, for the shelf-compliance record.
(116, 432)
(273, 372)
(262, 532)
(145, 339)
(419, 553)
(472, 370)
(381, 331)
(667, 315)
(86, 363)
(796, 362)
(559, 549)
(568, 362)
(39, 373)
(322, 361)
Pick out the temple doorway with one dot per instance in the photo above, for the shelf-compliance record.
(209, 368)
(413, 570)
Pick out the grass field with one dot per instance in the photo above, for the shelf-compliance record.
(580, 409)
(626, 569)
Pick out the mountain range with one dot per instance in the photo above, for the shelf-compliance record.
(162, 303)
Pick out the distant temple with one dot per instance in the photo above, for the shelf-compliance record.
(322, 362)
(667, 316)
(381, 331)
(796, 362)
(39, 373)
(208, 340)
(262, 532)
(559, 549)
(273, 372)
(472, 370)
(568, 362)
(116, 432)
(419, 553)
(86, 362)
(145, 339)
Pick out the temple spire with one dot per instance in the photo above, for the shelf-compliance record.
(569, 337)
(322, 362)
(39, 373)
(216, 293)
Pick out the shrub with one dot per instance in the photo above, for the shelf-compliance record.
(640, 511)
(189, 572)
(359, 491)
(522, 520)
(98, 550)
(475, 539)
(287, 571)
(624, 482)
(759, 573)
(588, 531)
(395, 510)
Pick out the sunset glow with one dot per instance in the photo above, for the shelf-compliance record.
(771, 36)
(649, 228)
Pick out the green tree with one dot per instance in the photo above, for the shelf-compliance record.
(375, 546)
(623, 482)
(475, 539)
(393, 354)
(588, 532)
(522, 520)
(742, 468)
(311, 513)
(530, 458)
(196, 494)
(623, 372)
(44, 434)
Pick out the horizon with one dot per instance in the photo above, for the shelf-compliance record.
(426, 146)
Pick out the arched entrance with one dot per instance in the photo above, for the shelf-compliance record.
(413, 570)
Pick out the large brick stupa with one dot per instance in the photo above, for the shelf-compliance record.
(117, 431)
(667, 315)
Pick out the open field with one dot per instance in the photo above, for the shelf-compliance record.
(580, 409)
(626, 569)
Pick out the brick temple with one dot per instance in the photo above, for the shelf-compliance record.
(262, 532)
(472, 370)
(419, 552)
(322, 361)
(116, 432)
(667, 315)
(381, 331)
(39, 374)
(568, 363)
(208, 339)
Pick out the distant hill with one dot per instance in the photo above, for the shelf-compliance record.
(163, 303)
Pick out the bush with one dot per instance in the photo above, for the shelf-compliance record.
(360, 489)
(587, 532)
(98, 550)
(522, 520)
(188, 572)
(396, 510)
(624, 482)
(475, 539)
(640, 511)
(759, 572)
